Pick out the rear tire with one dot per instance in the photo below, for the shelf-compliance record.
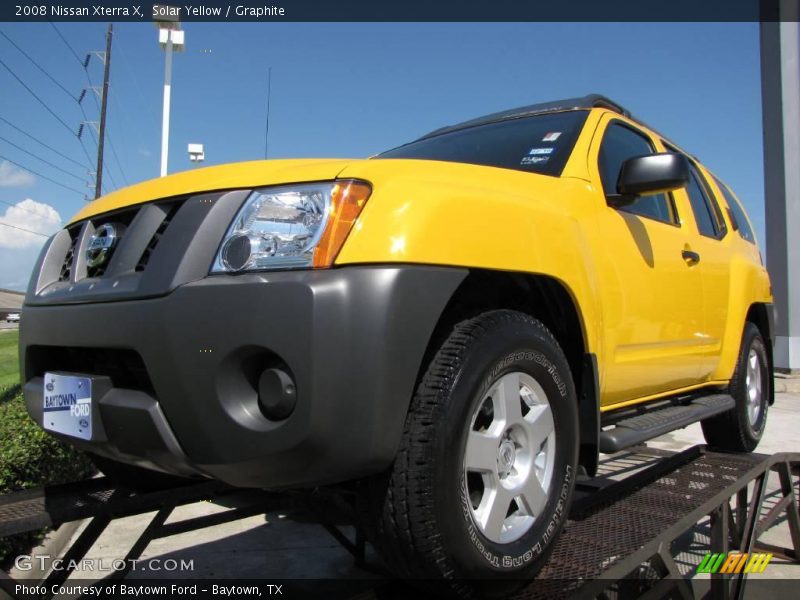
(483, 479)
(741, 428)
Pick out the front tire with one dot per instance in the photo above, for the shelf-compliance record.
(484, 475)
(741, 429)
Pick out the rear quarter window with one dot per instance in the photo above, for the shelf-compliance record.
(740, 221)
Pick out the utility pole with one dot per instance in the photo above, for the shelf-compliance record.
(103, 103)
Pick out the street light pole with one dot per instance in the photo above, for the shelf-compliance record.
(171, 39)
(165, 113)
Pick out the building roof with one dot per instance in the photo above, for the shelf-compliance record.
(10, 300)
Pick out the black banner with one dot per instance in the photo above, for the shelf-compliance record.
(401, 10)
(344, 589)
(242, 589)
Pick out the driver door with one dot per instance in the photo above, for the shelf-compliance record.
(650, 293)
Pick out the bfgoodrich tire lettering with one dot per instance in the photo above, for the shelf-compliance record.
(423, 514)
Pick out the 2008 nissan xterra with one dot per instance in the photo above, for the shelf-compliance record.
(465, 322)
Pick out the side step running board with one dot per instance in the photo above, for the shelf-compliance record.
(646, 426)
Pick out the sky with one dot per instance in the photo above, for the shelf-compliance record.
(347, 90)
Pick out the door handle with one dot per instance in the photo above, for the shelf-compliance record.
(690, 257)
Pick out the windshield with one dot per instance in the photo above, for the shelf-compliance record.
(538, 144)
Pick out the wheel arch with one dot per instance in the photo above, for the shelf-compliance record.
(550, 301)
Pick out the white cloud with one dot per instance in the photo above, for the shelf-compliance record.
(27, 215)
(19, 249)
(12, 176)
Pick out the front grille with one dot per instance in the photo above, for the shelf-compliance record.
(125, 368)
(148, 252)
(69, 259)
(122, 221)
(154, 249)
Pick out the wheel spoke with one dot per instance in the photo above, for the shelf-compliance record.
(514, 456)
(533, 496)
(539, 422)
(481, 453)
(492, 512)
(508, 398)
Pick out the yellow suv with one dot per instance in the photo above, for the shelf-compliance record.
(462, 323)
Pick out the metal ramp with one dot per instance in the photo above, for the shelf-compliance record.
(616, 532)
(616, 544)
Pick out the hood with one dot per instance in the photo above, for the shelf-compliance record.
(243, 175)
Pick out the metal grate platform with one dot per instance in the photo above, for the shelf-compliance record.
(54, 505)
(613, 531)
(618, 529)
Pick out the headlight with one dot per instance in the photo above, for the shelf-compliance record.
(291, 226)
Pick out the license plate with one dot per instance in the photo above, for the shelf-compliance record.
(68, 405)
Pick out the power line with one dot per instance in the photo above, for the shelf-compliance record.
(72, 189)
(47, 162)
(85, 68)
(91, 89)
(32, 93)
(108, 135)
(97, 144)
(124, 115)
(38, 66)
(57, 83)
(38, 141)
(145, 105)
(44, 235)
(116, 158)
(80, 139)
(67, 44)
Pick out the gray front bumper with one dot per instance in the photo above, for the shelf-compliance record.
(353, 339)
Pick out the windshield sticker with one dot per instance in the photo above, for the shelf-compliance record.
(551, 136)
(533, 160)
(534, 151)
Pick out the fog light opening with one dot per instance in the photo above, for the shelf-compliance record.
(277, 394)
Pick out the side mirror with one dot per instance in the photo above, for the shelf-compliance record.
(649, 174)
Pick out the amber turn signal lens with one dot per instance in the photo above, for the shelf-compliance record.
(347, 200)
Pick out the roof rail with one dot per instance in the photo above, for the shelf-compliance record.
(599, 101)
(583, 102)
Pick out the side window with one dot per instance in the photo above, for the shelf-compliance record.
(619, 144)
(706, 210)
(740, 222)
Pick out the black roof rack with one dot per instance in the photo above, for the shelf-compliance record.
(590, 101)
